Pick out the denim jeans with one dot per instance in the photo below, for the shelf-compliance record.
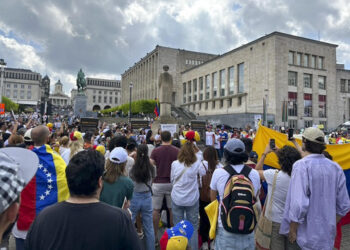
(142, 203)
(19, 244)
(228, 241)
(189, 213)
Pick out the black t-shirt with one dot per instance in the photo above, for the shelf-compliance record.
(82, 226)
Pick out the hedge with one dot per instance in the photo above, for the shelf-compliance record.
(141, 106)
(10, 104)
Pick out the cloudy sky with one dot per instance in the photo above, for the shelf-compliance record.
(105, 37)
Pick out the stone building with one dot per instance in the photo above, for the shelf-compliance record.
(22, 86)
(58, 98)
(281, 68)
(343, 92)
(73, 94)
(102, 93)
(144, 74)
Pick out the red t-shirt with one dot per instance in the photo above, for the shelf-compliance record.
(163, 157)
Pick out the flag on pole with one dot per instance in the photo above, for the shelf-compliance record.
(156, 109)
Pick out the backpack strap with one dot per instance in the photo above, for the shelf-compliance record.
(230, 170)
(246, 171)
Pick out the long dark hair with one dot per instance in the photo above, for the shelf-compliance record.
(142, 169)
(211, 156)
(148, 137)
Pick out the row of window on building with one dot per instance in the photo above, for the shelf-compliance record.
(218, 81)
(343, 86)
(105, 92)
(308, 110)
(193, 62)
(305, 60)
(23, 76)
(22, 94)
(103, 83)
(104, 99)
(15, 86)
(213, 104)
(292, 123)
(59, 101)
(307, 78)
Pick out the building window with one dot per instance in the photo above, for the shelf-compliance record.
(222, 82)
(15, 86)
(342, 85)
(189, 99)
(94, 91)
(307, 123)
(22, 94)
(189, 87)
(308, 105)
(230, 102)
(15, 94)
(292, 78)
(184, 99)
(239, 103)
(313, 61)
(200, 106)
(213, 104)
(320, 62)
(8, 85)
(110, 100)
(100, 92)
(207, 87)
(292, 104)
(291, 57)
(99, 99)
(195, 97)
(241, 78)
(22, 86)
(292, 124)
(299, 59)
(215, 84)
(200, 83)
(306, 60)
(116, 100)
(194, 85)
(322, 106)
(94, 99)
(8, 93)
(110, 92)
(184, 88)
(29, 94)
(200, 96)
(231, 79)
(206, 105)
(349, 86)
(29, 86)
(221, 103)
(321, 82)
(307, 80)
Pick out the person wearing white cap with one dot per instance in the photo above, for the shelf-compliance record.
(17, 168)
(117, 188)
(317, 197)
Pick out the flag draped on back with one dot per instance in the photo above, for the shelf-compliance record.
(48, 186)
(340, 154)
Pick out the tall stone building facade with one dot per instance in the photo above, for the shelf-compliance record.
(144, 74)
(343, 92)
(102, 93)
(58, 98)
(281, 68)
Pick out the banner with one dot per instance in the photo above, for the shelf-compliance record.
(172, 128)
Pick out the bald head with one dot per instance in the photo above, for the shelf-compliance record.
(40, 135)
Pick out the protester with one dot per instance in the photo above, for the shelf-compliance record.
(76, 145)
(162, 157)
(317, 196)
(48, 187)
(64, 144)
(121, 141)
(185, 194)
(223, 140)
(287, 156)
(209, 137)
(17, 167)
(83, 222)
(235, 156)
(142, 174)
(210, 163)
(117, 188)
(217, 143)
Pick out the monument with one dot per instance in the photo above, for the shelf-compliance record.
(80, 101)
(165, 85)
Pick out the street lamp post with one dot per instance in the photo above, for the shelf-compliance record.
(2, 65)
(130, 86)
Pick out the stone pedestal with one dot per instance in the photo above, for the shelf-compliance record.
(163, 120)
(80, 103)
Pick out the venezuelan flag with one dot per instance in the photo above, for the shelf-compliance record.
(340, 154)
(156, 109)
(48, 186)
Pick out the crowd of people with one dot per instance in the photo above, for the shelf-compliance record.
(63, 188)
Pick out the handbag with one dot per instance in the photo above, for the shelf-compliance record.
(263, 231)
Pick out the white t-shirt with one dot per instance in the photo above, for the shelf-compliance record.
(185, 191)
(209, 138)
(279, 196)
(220, 177)
(217, 141)
(65, 155)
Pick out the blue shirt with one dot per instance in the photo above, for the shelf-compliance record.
(224, 137)
(316, 194)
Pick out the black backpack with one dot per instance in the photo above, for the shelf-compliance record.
(238, 213)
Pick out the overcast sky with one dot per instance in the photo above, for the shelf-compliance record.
(105, 37)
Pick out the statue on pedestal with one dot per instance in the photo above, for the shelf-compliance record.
(165, 84)
(81, 82)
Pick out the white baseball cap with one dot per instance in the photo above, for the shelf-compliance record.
(118, 155)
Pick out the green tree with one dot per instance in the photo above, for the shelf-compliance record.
(10, 105)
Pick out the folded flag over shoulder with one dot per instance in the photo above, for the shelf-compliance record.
(48, 186)
(340, 154)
